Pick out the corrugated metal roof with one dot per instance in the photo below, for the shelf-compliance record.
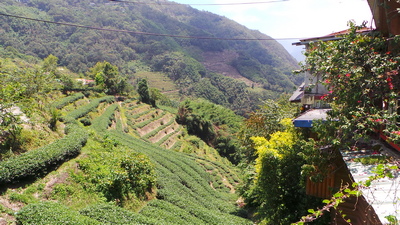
(306, 119)
(298, 94)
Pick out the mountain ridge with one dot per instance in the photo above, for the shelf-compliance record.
(261, 63)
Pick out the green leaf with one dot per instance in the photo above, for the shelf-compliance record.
(326, 201)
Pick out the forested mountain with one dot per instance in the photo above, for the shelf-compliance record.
(202, 67)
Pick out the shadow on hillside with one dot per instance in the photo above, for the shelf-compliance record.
(21, 184)
(244, 213)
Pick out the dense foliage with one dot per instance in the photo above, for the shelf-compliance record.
(22, 84)
(120, 175)
(360, 70)
(33, 163)
(272, 158)
(263, 123)
(143, 91)
(107, 78)
(214, 124)
(277, 190)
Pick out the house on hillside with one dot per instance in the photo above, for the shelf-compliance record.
(311, 93)
(86, 81)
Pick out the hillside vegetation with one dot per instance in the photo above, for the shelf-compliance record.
(129, 127)
(91, 158)
(117, 177)
(194, 65)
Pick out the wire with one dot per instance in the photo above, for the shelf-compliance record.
(197, 4)
(145, 33)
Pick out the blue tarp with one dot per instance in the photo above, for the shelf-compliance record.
(306, 119)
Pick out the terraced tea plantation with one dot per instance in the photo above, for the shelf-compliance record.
(193, 185)
(155, 125)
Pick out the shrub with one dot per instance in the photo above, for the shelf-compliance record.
(119, 174)
(55, 116)
(105, 120)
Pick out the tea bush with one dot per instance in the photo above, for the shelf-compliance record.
(45, 213)
(166, 137)
(184, 184)
(82, 111)
(113, 215)
(158, 129)
(67, 100)
(39, 161)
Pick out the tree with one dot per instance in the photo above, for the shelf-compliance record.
(155, 95)
(10, 93)
(50, 64)
(275, 186)
(37, 81)
(214, 124)
(107, 77)
(143, 91)
(182, 69)
(264, 122)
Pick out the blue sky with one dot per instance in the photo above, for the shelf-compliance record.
(291, 18)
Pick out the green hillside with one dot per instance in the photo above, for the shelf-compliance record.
(120, 113)
(188, 188)
(72, 154)
(217, 61)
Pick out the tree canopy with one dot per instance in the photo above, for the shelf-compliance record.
(108, 78)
